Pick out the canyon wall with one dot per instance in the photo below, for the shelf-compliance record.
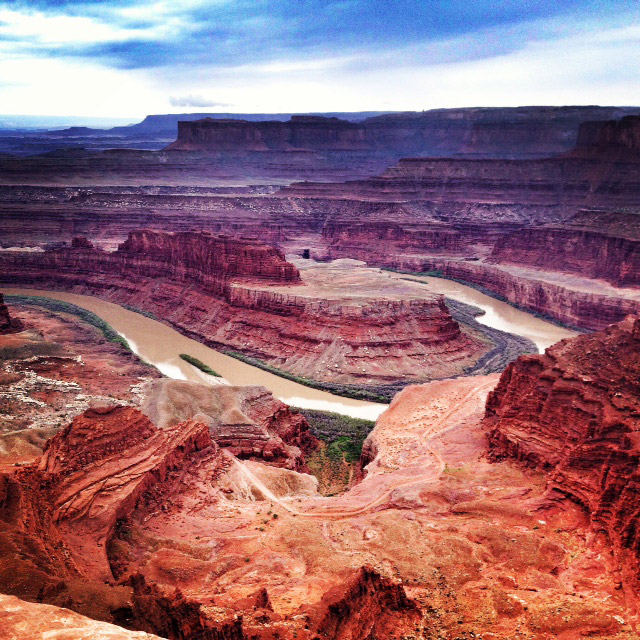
(301, 132)
(574, 413)
(488, 132)
(620, 137)
(593, 244)
(7, 323)
(255, 303)
(546, 292)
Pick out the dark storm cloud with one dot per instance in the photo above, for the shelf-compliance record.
(219, 33)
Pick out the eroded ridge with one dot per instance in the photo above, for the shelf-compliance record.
(575, 413)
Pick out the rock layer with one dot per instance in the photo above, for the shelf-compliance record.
(578, 302)
(574, 413)
(332, 326)
(7, 323)
(505, 132)
(247, 421)
(592, 244)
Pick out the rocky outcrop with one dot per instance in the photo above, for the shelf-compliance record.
(200, 257)
(27, 620)
(247, 421)
(367, 606)
(251, 300)
(99, 467)
(573, 412)
(500, 132)
(593, 244)
(7, 323)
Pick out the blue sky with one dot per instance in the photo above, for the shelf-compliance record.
(129, 57)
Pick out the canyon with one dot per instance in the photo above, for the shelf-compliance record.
(164, 529)
(489, 221)
(495, 496)
(332, 323)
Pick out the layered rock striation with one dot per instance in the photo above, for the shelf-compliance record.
(502, 132)
(247, 421)
(574, 412)
(593, 244)
(332, 325)
(616, 138)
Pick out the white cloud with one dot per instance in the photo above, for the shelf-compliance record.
(547, 62)
(39, 28)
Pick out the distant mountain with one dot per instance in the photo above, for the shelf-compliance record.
(161, 123)
(23, 123)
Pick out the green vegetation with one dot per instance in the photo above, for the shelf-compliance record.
(336, 461)
(142, 312)
(380, 393)
(58, 306)
(199, 365)
(434, 273)
(344, 448)
(343, 434)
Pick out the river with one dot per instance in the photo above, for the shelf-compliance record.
(161, 345)
(498, 314)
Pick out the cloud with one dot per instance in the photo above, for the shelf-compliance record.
(195, 101)
(151, 56)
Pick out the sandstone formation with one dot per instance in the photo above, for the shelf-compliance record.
(193, 542)
(505, 132)
(573, 412)
(7, 323)
(247, 421)
(576, 301)
(333, 323)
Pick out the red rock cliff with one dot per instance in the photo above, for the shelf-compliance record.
(594, 244)
(7, 323)
(613, 137)
(575, 412)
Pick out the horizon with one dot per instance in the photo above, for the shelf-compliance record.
(234, 56)
(107, 122)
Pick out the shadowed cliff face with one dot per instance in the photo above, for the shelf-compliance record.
(614, 137)
(7, 323)
(489, 132)
(575, 412)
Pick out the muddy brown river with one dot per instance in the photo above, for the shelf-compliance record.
(498, 314)
(161, 345)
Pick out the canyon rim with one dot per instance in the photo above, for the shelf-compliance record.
(321, 321)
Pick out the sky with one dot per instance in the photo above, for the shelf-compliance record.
(129, 58)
